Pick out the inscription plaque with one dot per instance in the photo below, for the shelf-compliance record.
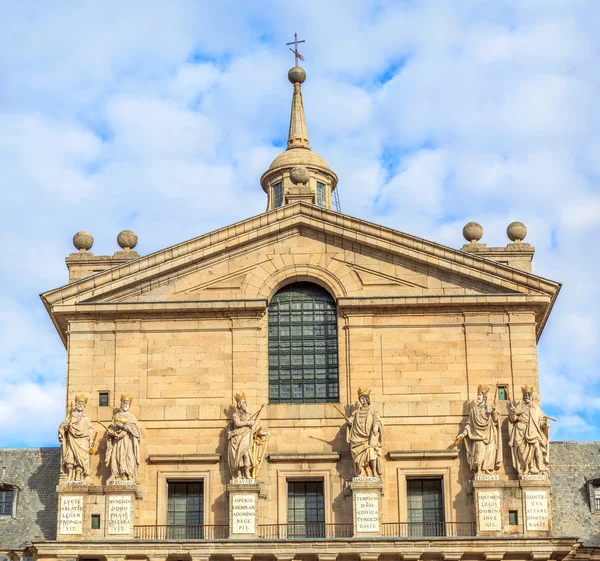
(119, 515)
(243, 513)
(536, 510)
(366, 505)
(490, 519)
(71, 515)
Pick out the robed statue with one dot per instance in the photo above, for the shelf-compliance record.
(365, 436)
(482, 435)
(247, 442)
(528, 435)
(123, 445)
(76, 435)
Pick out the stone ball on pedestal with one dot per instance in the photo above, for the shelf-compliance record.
(516, 231)
(473, 232)
(127, 239)
(299, 174)
(83, 241)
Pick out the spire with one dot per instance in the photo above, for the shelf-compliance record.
(299, 175)
(298, 135)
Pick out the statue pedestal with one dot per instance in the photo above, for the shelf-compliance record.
(519, 507)
(366, 506)
(243, 506)
(120, 508)
(73, 510)
(95, 511)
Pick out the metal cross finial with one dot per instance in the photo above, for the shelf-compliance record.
(295, 49)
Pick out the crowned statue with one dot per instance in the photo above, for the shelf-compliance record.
(482, 435)
(123, 445)
(76, 437)
(365, 436)
(247, 442)
(528, 435)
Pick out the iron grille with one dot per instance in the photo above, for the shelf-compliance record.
(303, 346)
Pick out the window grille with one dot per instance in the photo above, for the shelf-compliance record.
(303, 346)
(425, 507)
(320, 193)
(185, 509)
(7, 496)
(306, 509)
(277, 194)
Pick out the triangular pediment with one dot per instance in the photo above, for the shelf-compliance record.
(251, 259)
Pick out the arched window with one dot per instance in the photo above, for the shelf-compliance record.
(303, 345)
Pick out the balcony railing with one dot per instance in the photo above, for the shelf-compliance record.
(428, 529)
(306, 530)
(181, 532)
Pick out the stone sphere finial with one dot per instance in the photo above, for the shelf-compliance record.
(83, 241)
(516, 231)
(297, 75)
(127, 239)
(473, 232)
(299, 174)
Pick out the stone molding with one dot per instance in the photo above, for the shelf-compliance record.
(423, 454)
(183, 458)
(172, 262)
(304, 457)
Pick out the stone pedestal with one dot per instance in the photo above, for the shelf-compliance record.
(120, 509)
(499, 504)
(72, 497)
(111, 507)
(243, 508)
(366, 506)
(536, 494)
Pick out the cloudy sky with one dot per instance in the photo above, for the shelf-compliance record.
(161, 116)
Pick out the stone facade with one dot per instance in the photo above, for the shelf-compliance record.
(420, 327)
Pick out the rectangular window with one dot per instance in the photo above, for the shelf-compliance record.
(185, 509)
(95, 521)
(502, 393)
(6, 501)
(320, 193)
(103, 399)
(277, 194)
(306, 509)
(513, 517)
(425, 507)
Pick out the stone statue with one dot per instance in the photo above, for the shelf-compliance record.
(75, 435)
(123, 446)
(483, 436)
(365, 435)
(247, 443)
(528, 435)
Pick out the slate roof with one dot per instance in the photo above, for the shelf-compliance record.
(572, 465)
(35, 472)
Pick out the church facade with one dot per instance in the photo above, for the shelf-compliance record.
(304, 385)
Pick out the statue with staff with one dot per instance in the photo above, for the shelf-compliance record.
(528, 435)
(247, 442)
(365, 436)
(482, 435)
(77, 440)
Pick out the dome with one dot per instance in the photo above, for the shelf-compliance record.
(299, 157)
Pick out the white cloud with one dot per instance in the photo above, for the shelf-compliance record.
(162, 120)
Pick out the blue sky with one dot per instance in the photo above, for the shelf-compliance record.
(161, 117)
